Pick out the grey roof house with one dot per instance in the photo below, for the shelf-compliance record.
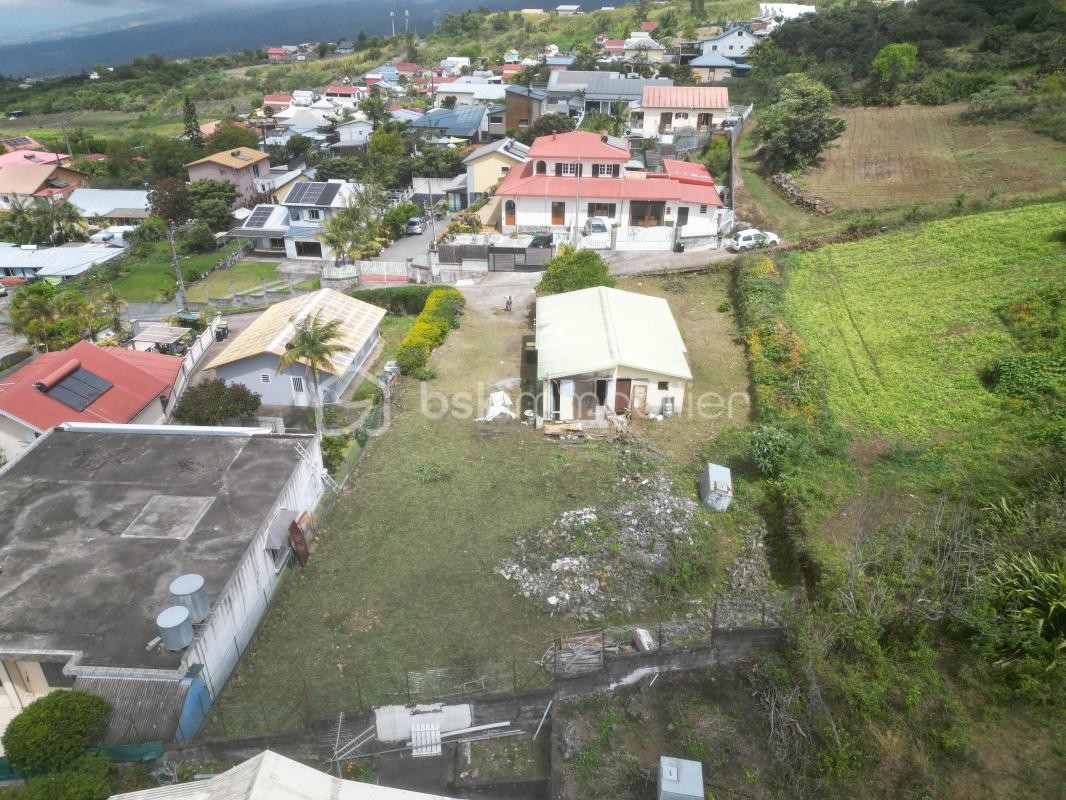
(139, 560)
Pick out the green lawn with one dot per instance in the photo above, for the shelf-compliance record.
(403, 572)
(903, 323)
(146, 279)
(241, 276)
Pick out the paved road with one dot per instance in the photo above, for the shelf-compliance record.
(410, 246)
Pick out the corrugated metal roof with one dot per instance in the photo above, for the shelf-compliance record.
(269, 776)
(598, 329)
(685, 97)
(141, 710)
(579, 144)
(245, 157)
(276, 326)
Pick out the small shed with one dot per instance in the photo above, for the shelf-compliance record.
(680, 779)
(716, 486)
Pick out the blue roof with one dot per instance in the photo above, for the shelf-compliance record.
(559, 61)
(712, 60)
(463, 121)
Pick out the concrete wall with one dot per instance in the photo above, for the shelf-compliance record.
(486, 172)
(243, 179)
(153, 414)
(653, 119)
(239, 606)
(536, 213)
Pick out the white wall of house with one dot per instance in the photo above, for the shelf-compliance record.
(647, 392)
(356, 134)
(735, 45)
(238, 609)
(653, 121)
(537, 213)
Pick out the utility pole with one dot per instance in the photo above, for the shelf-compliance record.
(179, 282)
(392, 19)
(406, 21)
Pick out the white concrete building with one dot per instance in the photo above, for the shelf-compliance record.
(228, 505)
(604, 351)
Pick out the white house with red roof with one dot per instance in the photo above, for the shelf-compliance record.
(569, 177)
(83, 383)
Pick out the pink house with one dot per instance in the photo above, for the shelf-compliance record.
(240, 167)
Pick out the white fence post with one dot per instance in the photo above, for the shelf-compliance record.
(196, 352)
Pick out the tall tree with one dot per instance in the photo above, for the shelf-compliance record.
(893, 64)
(170, 201)
(112, 304)
(376, 108)
(354, 232)
(795, 129)
(314, 345)
(192, 123)
(229, 135)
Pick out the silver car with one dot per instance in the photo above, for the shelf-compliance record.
(416, 226)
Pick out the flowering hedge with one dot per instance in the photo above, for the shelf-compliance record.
(439, 315)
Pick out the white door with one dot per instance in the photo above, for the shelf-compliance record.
(299, 390)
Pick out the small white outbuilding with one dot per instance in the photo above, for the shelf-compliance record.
(604, 351)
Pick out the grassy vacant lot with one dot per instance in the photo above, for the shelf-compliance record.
(719, 369)
(404, 572)
(146, 278)
(403, 575)
(922, 154)
(241, 276)
(903, 324)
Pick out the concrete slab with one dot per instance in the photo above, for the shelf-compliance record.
(394, 723)
(72, 582)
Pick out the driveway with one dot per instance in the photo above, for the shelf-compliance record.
(636, 262)
(410, 246)
(9, 341)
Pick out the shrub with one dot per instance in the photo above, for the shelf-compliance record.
(770, 449)
(334, 449)
(573, 269)
(439, 315)
(51, 732)
(213, 402)
(1029, 376)
(995, 103)
(397, 299)
(198, 239)
(87, 778)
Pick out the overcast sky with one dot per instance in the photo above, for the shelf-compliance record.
(23, 17)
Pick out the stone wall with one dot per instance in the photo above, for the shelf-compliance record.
(798, 196)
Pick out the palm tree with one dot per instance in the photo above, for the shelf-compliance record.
(112, 304)
(315, 344)
(355, 230)
(65, 222)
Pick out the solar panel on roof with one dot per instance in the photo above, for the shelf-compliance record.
(17, 140)
(314, 191)
(297, 192)
(79, 389)
(259, 217)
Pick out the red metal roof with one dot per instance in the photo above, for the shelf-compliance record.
(338, 88)
(406, 67)
(577, 144)
(522, 182)
(687, 171)
(136, 380)
(649, 26)
(685, 97)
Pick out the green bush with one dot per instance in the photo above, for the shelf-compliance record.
(87, 778)
(770, 448)
(51, 732)
(439, 315)
(996, 103)
(198, 239)
(213, 402)
(400, 300)
(573, 269)
(1030, 375)
(949, 85)
(334, 449)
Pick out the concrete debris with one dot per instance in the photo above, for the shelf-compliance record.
(591, 562)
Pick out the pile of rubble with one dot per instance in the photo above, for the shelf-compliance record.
(590, 562)
(798, 196)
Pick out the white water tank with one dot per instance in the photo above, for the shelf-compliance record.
(716, 486)
(175, 627)
(188, 591)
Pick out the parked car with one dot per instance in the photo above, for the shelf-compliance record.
(541, 240)
(416, 226)
(752, 238)
(730, 122)
(595, 225)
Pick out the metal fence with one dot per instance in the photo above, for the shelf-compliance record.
(197, 351)
(369, 271)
